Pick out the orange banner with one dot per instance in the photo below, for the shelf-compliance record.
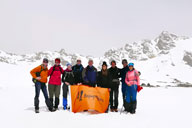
(89, 98)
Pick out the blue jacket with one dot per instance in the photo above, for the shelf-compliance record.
(90, 75)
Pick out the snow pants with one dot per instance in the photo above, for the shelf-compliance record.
(131, 93)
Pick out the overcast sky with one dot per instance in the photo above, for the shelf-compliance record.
(88, 27)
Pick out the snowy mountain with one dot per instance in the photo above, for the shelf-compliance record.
(161, 60)
(146, 49)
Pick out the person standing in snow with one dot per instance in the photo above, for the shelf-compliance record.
(67, 79)
(114, 85)
(89, 74)
(133, 81)
(55, 82)
(103, 79)
(77, 70)
(40, 75)
(123, 73)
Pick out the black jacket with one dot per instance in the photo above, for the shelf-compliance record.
(77, 70)
(68, 76)
(114, 74)
(123, 73)
(103, 80)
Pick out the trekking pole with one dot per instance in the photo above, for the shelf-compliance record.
(121, 110)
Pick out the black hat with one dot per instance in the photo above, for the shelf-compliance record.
(45, 60)
(104, 63)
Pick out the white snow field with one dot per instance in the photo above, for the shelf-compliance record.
(157, 107)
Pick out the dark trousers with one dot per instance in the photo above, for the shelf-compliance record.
(54, 90)
(124, 89)
(41, 86)
(65, 90)
(114, 94)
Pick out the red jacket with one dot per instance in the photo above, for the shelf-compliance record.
(55, 76)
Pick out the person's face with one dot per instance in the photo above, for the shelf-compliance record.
(90, 63)
(78, 62)
(113, 64)
(131, 68)
(104, 67)
(57, 63)
(69, 66)
(45, 64)
(124, 64)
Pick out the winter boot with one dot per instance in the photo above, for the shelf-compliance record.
(49, 105)
(68, 108)
(115, 110)
(112, 109)
(56, 103)
(65, 103)
(133, 107)
(36, 103)
(128, 107)
(36, 110)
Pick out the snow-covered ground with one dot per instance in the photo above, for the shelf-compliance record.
(157, 107)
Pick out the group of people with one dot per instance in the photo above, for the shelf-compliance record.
(78, 75)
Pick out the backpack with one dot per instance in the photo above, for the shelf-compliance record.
(54, 70)
(38, 74)
(66, 75)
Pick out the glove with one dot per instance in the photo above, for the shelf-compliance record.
(139, 88)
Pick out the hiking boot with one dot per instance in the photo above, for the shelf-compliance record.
(56, 103)
(115, 110)
(36, 110)
(132, 112)
(112, 110)
(52, 109)
(128, 107)
(56, 108)
(133, 107)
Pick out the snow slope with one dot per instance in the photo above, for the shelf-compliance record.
(162, 107)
